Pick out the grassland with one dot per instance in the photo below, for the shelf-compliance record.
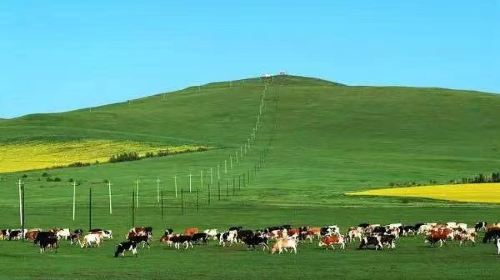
(484, 193)
(320, 141)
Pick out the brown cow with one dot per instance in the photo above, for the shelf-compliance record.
(439, 235)
(330, 240)
(191, 231)
(31, 234)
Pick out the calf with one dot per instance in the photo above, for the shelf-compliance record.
(355, 233)
(331, 240)
(284, 243)
(126, 246)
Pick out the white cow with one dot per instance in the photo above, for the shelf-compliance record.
(63, 234)
(90, 240)
(211, 233)
(228, 236)
(284, 243)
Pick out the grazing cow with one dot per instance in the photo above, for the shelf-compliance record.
(491, 234)
(256, 240)
(140, 239)
(90, 240)
(388, 240)
(200, 237)
(283, 244)
(126, 246)
(211, 233)
(228, 237)
(191, 231)
(368, 241)
(331, 240)
(480, 226)
(177, 240)
(46, 240)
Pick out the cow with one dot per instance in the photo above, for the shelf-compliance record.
(15, 234)
(256, 240)
(368, 241)
(313, 232)
(169, 231)
(388, 240)
(228, 237)
(140, 239)
(244, 233)
(140, 231)
(283, 244)
(103, 233)
(31, 234)
(354, 233)
(46, 240)
(464, 235)
(199, 237)
(63, 234)
(480, 226)
(126, 246)
(211, 233)
(177, 240)
(497, 243)
(439, 235)
(90, 240)
(191, 231)
(329, 230)
(331, 240)
(491, 234)
(407, 230)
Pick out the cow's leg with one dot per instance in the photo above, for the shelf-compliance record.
(134, 251)
(295, 249)
(440, 243)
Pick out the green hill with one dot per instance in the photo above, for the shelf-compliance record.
(317, 140)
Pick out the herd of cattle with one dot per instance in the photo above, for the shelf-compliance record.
(284, 238)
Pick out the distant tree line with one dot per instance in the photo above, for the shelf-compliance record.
(494, 177)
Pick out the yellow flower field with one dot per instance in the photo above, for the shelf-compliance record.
(485, 193)
(39, 154)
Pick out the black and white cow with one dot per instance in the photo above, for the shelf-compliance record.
(256, 240)
(199, 238)
(126, 246)
(369, 241)
(140, 239)
(480, 226)
(388, 240)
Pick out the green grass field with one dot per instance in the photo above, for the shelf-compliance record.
(318, 139)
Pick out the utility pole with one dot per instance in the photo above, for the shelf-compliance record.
(158, 189)
(74, 199)
(109, 193)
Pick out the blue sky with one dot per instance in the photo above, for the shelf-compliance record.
(63, 55)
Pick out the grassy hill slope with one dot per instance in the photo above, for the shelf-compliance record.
(327, 139)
